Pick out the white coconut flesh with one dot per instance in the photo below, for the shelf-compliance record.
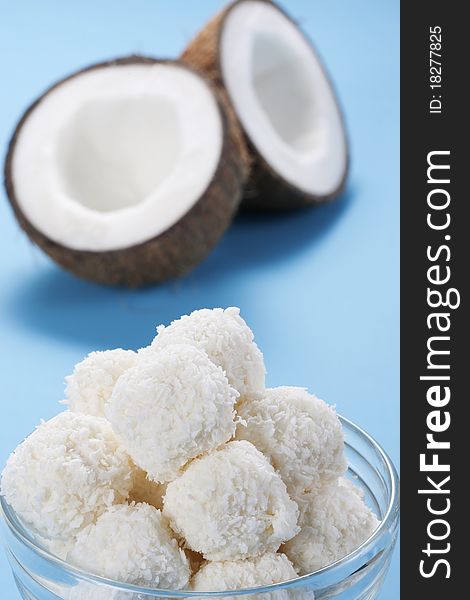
(282, 97)
(116, 155)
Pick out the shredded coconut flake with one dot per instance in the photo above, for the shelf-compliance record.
(252, 572)
(231, 504)
(132, 544)
(171, 407)
(227, 340)
(235, 575)
(65, 474)
(57, 547)
(334, 522)
(90, 386)
(89, 591)
(300, 434)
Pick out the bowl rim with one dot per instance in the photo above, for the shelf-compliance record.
(389, 521)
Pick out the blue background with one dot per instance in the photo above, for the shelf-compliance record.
(320, 288)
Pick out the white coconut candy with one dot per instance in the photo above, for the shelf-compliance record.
(235, 575)
(299, 433)
(57, 547)
(65, 474)
(89, 387)
(231, 504)
(89, 591)
(132, 544)
(226, 339)
(170, 408)
(333, 523)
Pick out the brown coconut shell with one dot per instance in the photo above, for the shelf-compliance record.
(265, 189)
(181, 247)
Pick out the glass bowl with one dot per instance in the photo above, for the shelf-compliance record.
(358, 576)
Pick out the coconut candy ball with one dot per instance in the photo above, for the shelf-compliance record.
(238, 574)
(65, 474)
(89, 387)
(231, 504)
(226, 339)
(333, 522)
(89, 591)
(170, 407)
(57, 547)
(145, 490)
(300, 434)
(132, 543)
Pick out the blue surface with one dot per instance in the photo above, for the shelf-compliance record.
(320, 288)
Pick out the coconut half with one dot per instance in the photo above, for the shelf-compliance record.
(284, 101)
(127, 172)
